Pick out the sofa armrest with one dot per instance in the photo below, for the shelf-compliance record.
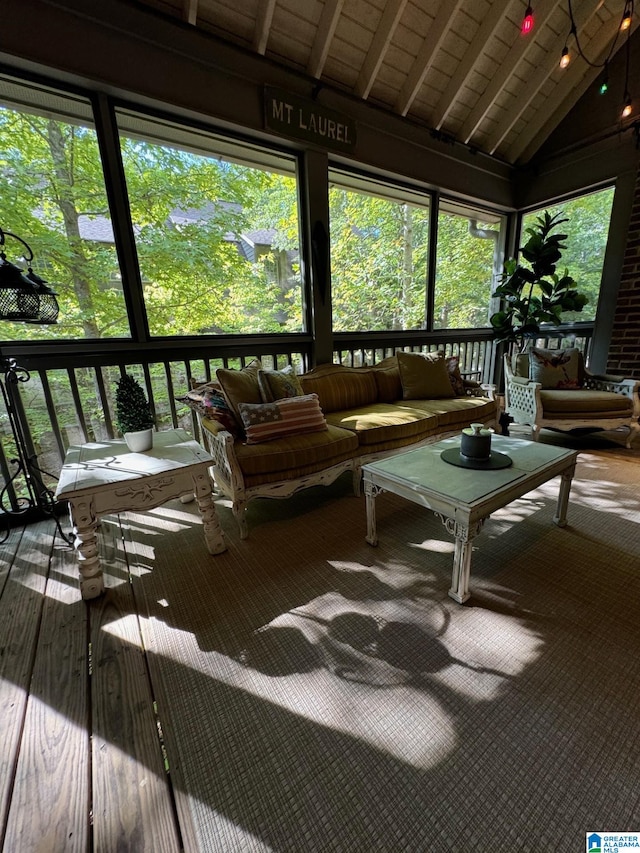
(221, 445)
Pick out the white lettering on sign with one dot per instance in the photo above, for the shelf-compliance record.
(309, 122)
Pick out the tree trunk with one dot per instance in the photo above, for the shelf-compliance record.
(64, 179)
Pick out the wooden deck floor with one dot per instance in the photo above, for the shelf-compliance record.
(82, 760)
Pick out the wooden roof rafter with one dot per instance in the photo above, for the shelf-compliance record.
(264, 17)
(450, 95)
(322, 42)
(190, 11)
(424, 60)
(584, 13)
(520, 47)
(574, 84)
(382, 39)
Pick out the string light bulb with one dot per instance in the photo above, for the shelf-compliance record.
(565, 59)
(604, 84)
(627, 109)
(626, 16)
(527, 22)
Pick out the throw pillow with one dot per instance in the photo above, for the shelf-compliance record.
(555, 368)
(424, 376)
(387, 374)
(209, 402)
(240, 386)
(455, 377)
(290, 416)
(278, 384)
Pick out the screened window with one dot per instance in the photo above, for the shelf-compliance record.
(216, 226)
(587, 230)
(470, 254)
(52, 195)
(379, 251)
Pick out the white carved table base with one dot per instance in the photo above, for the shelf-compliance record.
(423, 478)
(104, 478)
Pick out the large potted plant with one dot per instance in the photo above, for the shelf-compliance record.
(534, 293)
(133, 414)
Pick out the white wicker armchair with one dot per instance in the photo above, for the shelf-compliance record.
(603, 403)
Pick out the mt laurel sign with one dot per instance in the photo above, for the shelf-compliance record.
(301, 118)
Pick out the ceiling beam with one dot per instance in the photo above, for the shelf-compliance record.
(324, 35)
(567, 93)
(381, 41)
(582, 16)
(471, 55)
(264, 17)
(520, 47)
(190, 11)
(423, 61)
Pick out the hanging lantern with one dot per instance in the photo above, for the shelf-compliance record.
(27, 298)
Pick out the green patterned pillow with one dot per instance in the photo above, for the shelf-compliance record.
(278, 384)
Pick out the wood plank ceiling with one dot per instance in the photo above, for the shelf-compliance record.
(462, 68)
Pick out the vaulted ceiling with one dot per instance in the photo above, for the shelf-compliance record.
(461, 68)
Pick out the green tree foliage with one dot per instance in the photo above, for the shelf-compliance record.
(536, 294)
(378, 262)
(190, 213)
(587, 230)
(51, 178)
(464, 272)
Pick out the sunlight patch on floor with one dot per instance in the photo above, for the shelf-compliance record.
(439, 546)
(124, 629)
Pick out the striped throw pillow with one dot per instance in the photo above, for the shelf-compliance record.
(291, 416)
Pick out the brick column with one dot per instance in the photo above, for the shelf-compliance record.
(624, 352)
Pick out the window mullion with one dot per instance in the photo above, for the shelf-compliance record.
(108, 141)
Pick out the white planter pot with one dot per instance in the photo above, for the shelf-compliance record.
(139, 441)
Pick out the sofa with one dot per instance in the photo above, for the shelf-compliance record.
(553, 389)
(272, 433)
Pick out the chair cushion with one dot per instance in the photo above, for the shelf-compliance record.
(556, 368)
(295, 455)
(460, 411)
(424, 376)
(583, 403)
(384, 422)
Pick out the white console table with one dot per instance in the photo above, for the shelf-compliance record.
(105, 477)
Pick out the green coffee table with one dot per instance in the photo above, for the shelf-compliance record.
(463, 498)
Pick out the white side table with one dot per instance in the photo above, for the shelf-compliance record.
(105, 477)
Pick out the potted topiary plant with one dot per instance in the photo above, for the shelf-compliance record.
(133, 414)
(535, 294)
